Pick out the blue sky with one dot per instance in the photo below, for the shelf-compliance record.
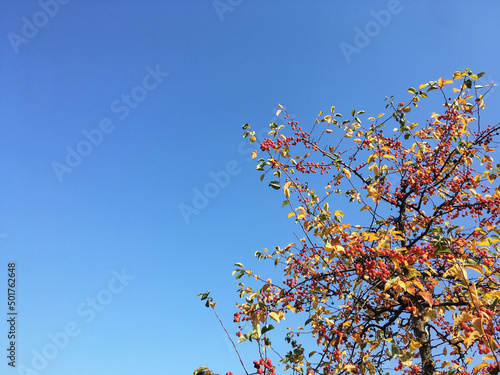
(116, 116)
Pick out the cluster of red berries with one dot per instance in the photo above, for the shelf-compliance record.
(267, 364)
(236, 317)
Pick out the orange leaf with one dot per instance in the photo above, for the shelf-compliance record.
(427, 297)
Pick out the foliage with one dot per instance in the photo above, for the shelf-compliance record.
(413, 285)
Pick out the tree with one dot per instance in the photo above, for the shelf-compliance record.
(412, 286)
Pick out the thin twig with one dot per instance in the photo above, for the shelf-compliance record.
(230, 339)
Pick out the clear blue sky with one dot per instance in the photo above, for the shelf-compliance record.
(116, 114)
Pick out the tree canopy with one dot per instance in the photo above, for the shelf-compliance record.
(411, 285)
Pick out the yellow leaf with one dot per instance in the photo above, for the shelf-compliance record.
(479, 367)
(334, 246)
(380, 115)
(464, 317)
(472, 337)
(291, 214)
(373, 193)
(254, 154)
(414, 345)
(389, 157)
(457, 271)
(478, 325)
(349, 368)
(365, 208)
(419, 284)
(474, 296)
(280, 106)
(369, 236)
(275, 316)
(376, 170)
(278, 112)
(422, 86)
(286, 190)
(468, 161)
(253, 138)
(347, 173)
(301, 215)
(489, 357)
(371, 118)
(402, 284)
(357, 338)
(441, 82)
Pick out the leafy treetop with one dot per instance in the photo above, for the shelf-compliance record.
(413, 286)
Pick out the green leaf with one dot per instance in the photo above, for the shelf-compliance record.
(246, 134)
(470, 262)
(275, 185)
(261, 165)
(395, 351)
(436, 230)
(353, 112)
(203, 295)
(245, 337)
(494, 303)
(200, 370)
(285, 202)
(480, 75)
(256, 333)
(439, 251)
(412, 90)
(267, 328)
(246, 126)
(239, 265)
